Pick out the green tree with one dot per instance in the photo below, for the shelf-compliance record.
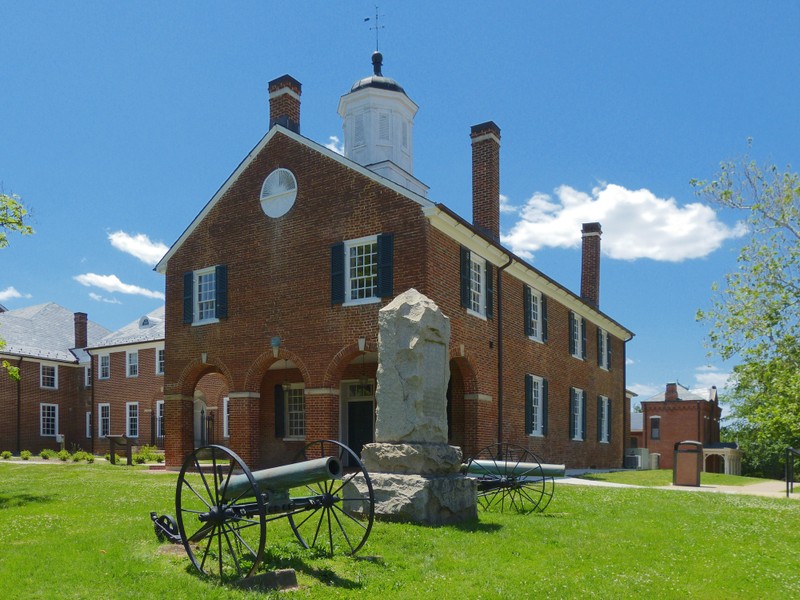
(755, 317)
(12, 219)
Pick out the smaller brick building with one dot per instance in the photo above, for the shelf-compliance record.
(680, 414)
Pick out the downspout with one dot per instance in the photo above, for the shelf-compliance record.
(500, 349)
(626, 407)
(19, 403)
(91, 401)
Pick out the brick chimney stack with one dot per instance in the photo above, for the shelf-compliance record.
(81, 334)
(284, 102)
(590, 264)
(486, 178)
(671, 393)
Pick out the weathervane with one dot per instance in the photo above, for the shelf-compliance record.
(376, 27)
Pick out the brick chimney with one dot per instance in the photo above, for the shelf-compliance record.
(284, 102)
(486, 178)
(590, 263)
(81, 334)
(671, 393)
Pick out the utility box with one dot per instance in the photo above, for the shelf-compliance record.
(688, 463)
(655, 461)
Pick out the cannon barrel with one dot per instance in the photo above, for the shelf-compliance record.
(512, 469)
(286, 476)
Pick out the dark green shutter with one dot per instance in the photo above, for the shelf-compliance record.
(221, 283)
(608, 351)
(583, 414)
(528, 405)
(583, 338)
(466, 260)
(572, 349)
(526, 303)
(599, 346)
(188, 297)
(599, 418)
(385, 265)
(280, 425)
(608, 418)
(544, 318)
(572, 413)
(489, 290)
(337, 273)
(544, 406)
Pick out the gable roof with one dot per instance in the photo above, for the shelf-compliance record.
(685, 393)
(45, 331)
(147, 328)
(439, 216)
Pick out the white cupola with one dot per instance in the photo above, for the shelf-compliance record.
(378, 127)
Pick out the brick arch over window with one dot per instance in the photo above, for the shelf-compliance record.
(196, 370)
(339, 363)
(468, 375)
(260, 366)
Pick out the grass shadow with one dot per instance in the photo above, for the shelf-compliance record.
(18, 500)
(288, 557)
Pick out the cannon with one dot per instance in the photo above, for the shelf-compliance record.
(222, 508)
(512, 478)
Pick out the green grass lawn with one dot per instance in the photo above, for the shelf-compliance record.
(83, 531)
(663, 477)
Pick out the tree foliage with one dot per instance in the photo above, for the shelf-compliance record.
(12, 219)
(755, 317)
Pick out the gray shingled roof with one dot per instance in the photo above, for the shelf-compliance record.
(683, 394)
(45, 331)
(148, 328)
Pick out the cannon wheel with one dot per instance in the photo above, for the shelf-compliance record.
(340, 518)
(224, 537)
(507, 490)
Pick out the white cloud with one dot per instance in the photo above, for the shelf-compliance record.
(138, 245)
(636, 224)
(335, 145)
(11, 292)
(644, 390)
(99, 298)
(708, 376)
(505, 207)
(111, 283)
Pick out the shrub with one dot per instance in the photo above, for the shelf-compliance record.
(5, 455)
(25, 455)
(139, 458)
(78, 455)
(63, 455)
(89, 458)
(47, 454)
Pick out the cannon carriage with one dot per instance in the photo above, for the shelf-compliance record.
(222, 507)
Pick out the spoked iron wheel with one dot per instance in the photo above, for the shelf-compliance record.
(222, 530)
(339, 514)
(510, 478)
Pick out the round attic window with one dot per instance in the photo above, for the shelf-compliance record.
(278, 193)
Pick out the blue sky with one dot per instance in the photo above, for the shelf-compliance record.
(119, 121)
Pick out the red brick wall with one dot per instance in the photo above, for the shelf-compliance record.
(680, 421)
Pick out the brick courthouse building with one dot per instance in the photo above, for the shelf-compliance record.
(274, 289)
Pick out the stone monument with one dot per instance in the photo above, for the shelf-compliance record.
(415, 473)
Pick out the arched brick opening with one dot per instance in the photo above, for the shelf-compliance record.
(461, 416)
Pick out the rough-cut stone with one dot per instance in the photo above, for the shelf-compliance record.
(427, 459)
(413, 371)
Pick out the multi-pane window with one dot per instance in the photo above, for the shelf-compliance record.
(577, 335)
(655, 428)
(87, 377)
(295, 412)
(160, 361)
(160, 419)
(536, 398)
(577, 414)
(226, 417)
(603, 419)
(133, 363)
(206, 296)
(48, 419)
(603, 349)
(88, 424)
(48, 376)
(477, 285)
(362, 269)
(105, 366)
(103, 420)
(477, 289)
(535, 305)
(132, 419)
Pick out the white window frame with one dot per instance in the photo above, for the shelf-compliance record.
(536, 315)
(602, 350)
(658, 429)
(42, 367)
(132, 363)
(537, 406)
(477, 286)
(295, 392)
(132, 419)
(226, 417)
(160, 361)
(605, 420)
(577, 335)
(103, 431)
(204, 302)
(43, 408)
(87, 376)
(578, 405)
(104, 369)
(159, 418)
(88, 424)
(350, 281)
